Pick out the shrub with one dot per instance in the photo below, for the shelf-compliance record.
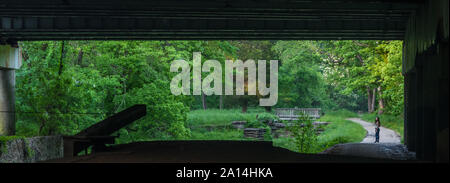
(267, 117)
(164, 120)
(255, 124)
(268, 134)
(303, 133)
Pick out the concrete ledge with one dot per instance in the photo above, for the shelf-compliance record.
(387, 151)
(29, 150)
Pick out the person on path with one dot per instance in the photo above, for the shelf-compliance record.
(377, 129)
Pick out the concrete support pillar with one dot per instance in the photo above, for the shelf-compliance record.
(412, 123)
(418, 127)
(425, 64)
(409, 113)
(430, 101)
(7, 100)
(442, 119)
(426, 104)
(405, 107)
(10, 59)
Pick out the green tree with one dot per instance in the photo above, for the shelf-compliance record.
(371, 67)
(300, 82)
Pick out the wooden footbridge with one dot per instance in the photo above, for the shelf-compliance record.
(293, 113)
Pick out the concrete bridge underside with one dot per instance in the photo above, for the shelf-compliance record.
(203, 19)
(422, 24)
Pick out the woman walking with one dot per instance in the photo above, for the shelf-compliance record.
(377, 129)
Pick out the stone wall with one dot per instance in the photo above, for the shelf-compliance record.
(33, 149)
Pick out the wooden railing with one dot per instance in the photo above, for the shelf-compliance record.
(294, 113)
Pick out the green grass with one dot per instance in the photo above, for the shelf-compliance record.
(8, 138)
(217, 135)
(389, 121)
(338, 131)
(215, 124)
(215, 117)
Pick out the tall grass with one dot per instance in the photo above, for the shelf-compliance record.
(340, 130)
(216, 117)
(217, 135)
(215, 124)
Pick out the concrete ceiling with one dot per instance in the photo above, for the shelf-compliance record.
(203, 19)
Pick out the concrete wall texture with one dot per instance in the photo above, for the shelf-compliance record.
(425, 67)
(7, 101)
(10, 59)
(29, 150)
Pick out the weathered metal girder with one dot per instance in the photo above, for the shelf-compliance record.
(98, 134)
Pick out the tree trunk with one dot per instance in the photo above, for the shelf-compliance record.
(380, 102)
(371, 95)
(61, 58)
(41, 127)
(221, 102)
(244, 105)
(80, 57)
(374, 92)
(369, 100)
(204, 101)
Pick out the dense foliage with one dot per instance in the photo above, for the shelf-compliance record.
(64, 87)
(370, 69)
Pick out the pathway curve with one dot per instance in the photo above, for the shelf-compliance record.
(388, 148)
(386, 135)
